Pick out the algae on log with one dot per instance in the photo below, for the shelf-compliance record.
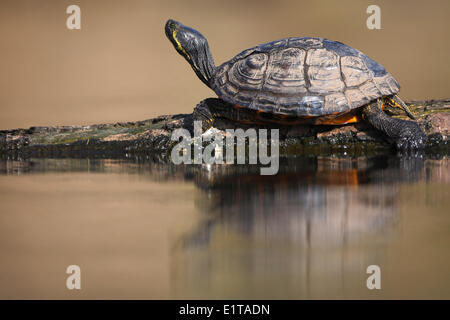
(152, 137)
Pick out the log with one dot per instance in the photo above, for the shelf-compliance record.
(152, 137)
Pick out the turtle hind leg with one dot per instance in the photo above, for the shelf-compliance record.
(395, 102)
(407, 134)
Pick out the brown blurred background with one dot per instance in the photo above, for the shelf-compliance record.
(120, 66)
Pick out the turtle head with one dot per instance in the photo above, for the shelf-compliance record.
(193, 46)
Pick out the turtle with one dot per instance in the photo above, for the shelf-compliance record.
(296, 81)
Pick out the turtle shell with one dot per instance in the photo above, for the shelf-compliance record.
(302, 77)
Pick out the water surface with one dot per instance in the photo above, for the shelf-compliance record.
(140, 229)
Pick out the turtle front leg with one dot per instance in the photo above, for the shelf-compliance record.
(207, 111)
(407, 134)
(211, 109)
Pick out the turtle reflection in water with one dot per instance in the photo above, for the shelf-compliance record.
(309, 231)
(296, 81)
(339, 198)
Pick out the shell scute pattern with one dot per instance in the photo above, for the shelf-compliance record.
(370, 90)
(302, 77)
(356, 98)
(336, 102)
(306, 43)
(267, 47)
(354, 71)
(324, 71)
(283, 76)
(248, 73)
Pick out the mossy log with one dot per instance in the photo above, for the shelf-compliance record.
(152, 137)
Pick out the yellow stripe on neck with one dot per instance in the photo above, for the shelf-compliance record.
(179, 47)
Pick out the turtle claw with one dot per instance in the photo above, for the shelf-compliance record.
(406, 144)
